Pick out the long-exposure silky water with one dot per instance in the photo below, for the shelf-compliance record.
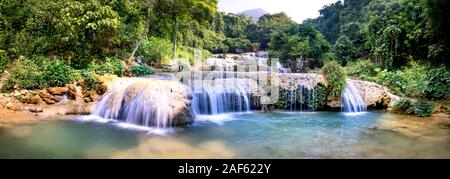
(352, 101)
(143, 102)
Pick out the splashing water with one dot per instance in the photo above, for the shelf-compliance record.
(143, 102)
(352, 101)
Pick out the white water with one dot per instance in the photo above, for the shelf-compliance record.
(222, 97)
(352, 101)
(140, 102)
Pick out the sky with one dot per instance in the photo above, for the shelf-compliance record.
(299, 10)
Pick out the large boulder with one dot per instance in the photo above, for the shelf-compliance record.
(373, 95)
(58, 90)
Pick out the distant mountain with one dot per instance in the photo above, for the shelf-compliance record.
(255, 14)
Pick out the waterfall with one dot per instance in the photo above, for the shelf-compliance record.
(144, 102)
(351, 100)
(223, 96)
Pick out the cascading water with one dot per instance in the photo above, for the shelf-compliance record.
(218, 99)
(351, 100)
(144, 102)
(300, 99)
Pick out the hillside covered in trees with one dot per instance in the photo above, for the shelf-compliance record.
(403, 44)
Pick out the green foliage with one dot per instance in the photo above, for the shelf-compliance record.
(238, 45)
(4, 62)
(439, 23)
(40, 72)
(268, 24)
(405, 106)
(155, 50)
(364, 69)
(26, 75)
(439, 82)
(141, 70)
(345, 50)
(90, 80)
(423, 108)
(298, 41)
(336, 78)
(57, 73)
(417, 80)
(318, 100)
(108, 66)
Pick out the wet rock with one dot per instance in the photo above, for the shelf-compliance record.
(35, 99)
(56, 98)
(58, 90)
(45, 94)
(72, 92)
(36, 110)
(48, 101)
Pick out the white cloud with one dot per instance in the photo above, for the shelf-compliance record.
(299, 10)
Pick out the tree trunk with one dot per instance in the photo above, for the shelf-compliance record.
(146, 28)
(175, 39)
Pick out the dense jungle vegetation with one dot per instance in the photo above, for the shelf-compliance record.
(403, 44)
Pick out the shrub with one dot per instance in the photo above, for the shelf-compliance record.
(155, 50)
(439, 83)
(40, 72)
(26, 75)
(423, 108)
(90, 80)
(404, 106)
(140, 70)
(108, 66)
(57, 73)
(395, 81)
(363, 69)
(3, 61)
(335, 77)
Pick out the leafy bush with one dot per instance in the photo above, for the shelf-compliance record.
(26, 75)
(404, 106)
(140, 70)
(439, 82)
(395, 81)
(40, 72)
(363, 69)
(335, 77)
(155, 50)
(423, 108)
(57, 73)
(3, 61)
(417, 80)
(188, 54)
(108, 66)
(90, 80)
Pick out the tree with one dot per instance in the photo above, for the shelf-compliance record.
(439, 23)
(298, 41)
(345, 50)
(177, 16)
(146, 29)
(269, 23)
